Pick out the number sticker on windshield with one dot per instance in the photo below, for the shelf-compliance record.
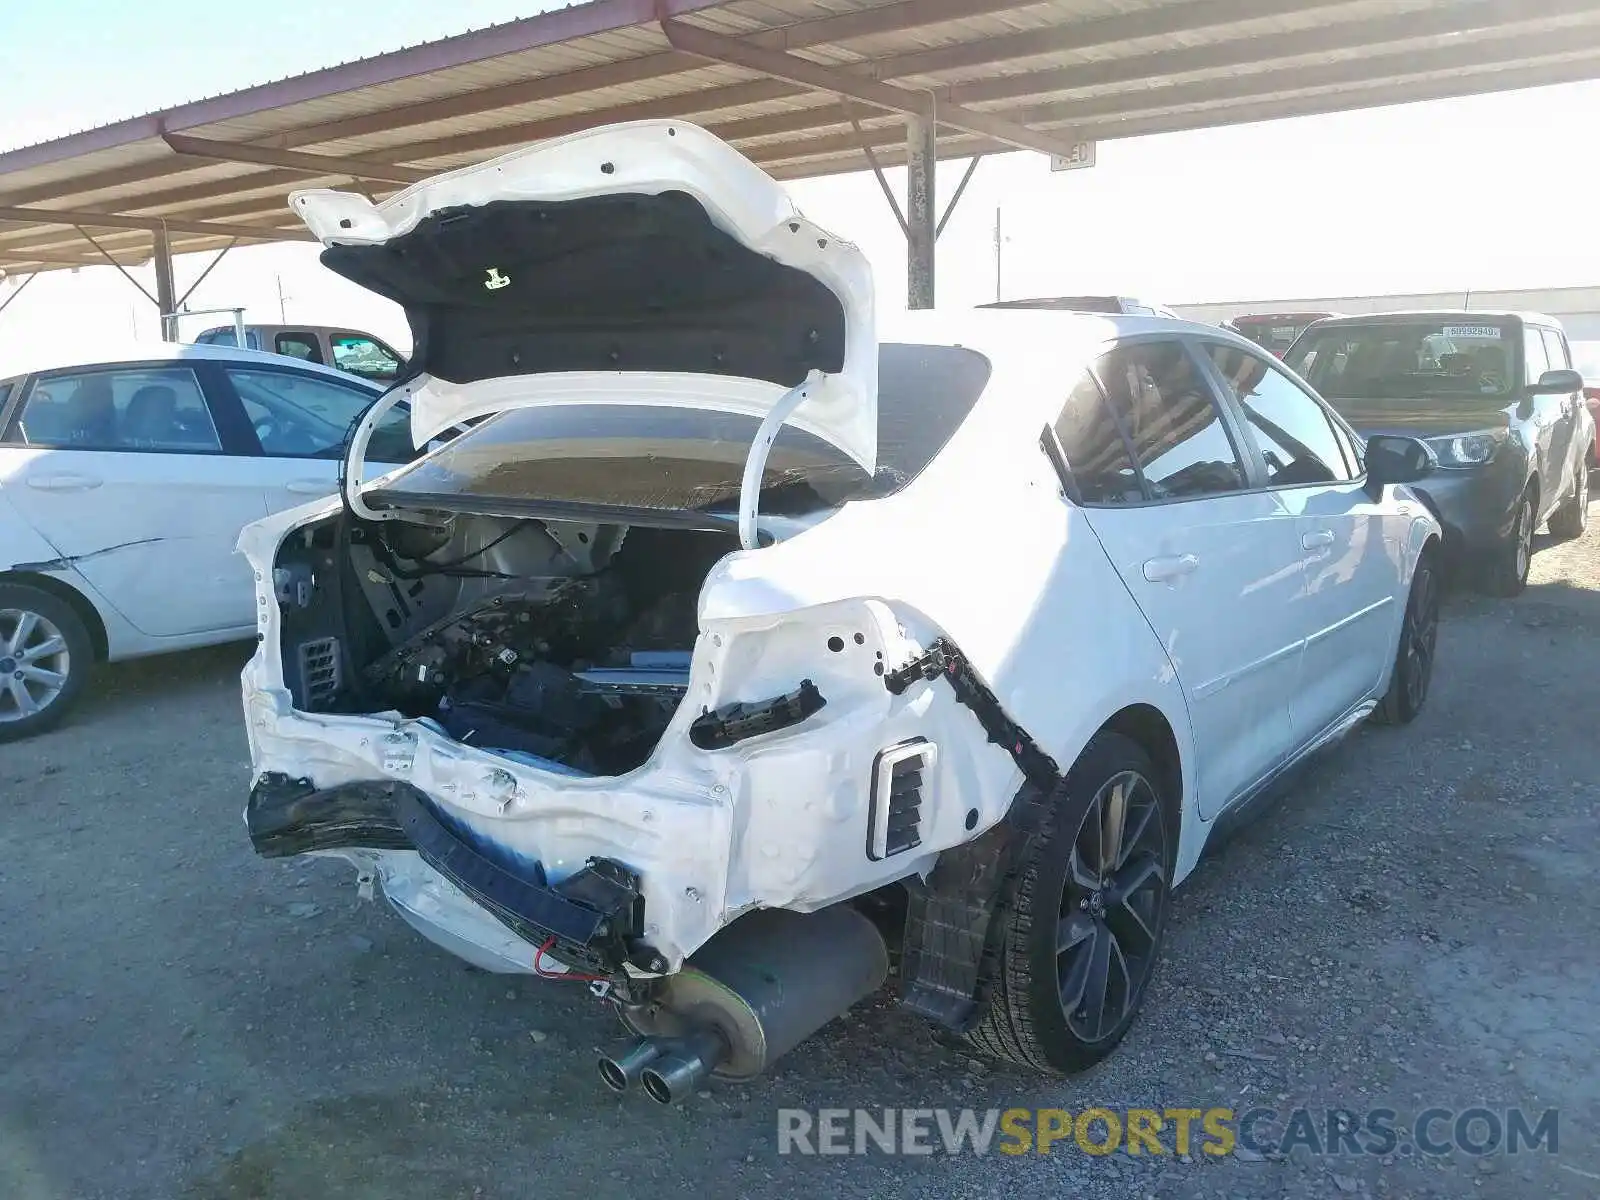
(1473, 331)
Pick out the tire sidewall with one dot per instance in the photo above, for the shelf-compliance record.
(1400, 707)
(80, 649)
(1107, 755)
(1504, 577)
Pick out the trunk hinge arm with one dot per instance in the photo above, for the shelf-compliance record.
(755, 463)
(354, 462)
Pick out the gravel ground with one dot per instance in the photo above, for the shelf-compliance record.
(1413, 927)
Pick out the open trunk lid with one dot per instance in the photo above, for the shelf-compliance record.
(650, 250)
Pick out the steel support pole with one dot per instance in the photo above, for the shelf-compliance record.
(922, 216)
(166, 294)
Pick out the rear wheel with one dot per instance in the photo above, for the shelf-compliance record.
(1413, 660)
(1081, 941)
(1505, 571)
(45, 659)
(1572, 518)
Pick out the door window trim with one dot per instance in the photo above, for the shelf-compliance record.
(1342, 430)
(230, 396)
(229, 442)
(1253, 471)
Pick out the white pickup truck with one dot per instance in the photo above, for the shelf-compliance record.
(349, 350)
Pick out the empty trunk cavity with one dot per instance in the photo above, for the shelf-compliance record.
(557, 643)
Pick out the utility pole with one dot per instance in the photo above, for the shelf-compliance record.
(283, 315)
(997, 254)
(922, 214)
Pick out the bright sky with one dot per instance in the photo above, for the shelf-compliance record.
(1489, 192)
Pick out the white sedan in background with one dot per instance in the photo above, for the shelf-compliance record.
(124, 482)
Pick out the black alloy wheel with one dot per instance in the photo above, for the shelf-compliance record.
(1112, 904)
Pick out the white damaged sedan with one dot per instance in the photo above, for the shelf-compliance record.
(738, 647)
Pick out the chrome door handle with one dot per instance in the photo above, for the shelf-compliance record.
(62, 482)
(1321, 539)
(1164, 570)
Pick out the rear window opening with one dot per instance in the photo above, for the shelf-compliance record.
(524, 615)
(684, 466)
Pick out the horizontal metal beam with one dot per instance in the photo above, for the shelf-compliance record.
(494, 41)
(1392, 67)
(294, 160)
(1164, 20)
(780, 65)
(842, 154)
(1472, 21)
(839, 27)
(264, 211)
(8, 259)
(99, 220)
(1350, 99)
(682, 104)
(960, 146)
(698, 103)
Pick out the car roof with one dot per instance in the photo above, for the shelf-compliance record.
(167, 352)
(279, 327)
(1464, 315)
(991, 330)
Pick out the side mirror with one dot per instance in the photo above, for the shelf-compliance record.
(1394, 459)
(1557, 383)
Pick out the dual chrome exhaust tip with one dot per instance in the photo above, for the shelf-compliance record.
(667, 1068)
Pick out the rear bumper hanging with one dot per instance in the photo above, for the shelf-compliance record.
(592, 918)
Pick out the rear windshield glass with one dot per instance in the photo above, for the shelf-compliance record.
(1428, 358)
(667, 458)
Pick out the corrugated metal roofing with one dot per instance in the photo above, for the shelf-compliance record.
(1062, 69)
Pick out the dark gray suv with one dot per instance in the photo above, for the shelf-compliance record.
(1494, 395)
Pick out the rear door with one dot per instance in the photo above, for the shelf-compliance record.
(1564, 459)
(1543, 416)
(300, 420)
(130, 474)
(1213, 562)
(1351, 548)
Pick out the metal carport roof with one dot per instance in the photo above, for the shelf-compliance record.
(804, 87)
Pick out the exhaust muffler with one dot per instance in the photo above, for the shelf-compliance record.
(751, 994)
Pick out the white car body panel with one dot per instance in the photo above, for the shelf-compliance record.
(1050, 604)
(645, 158)
(776, 822)
(1228, 621)
(148, 539)
(154, 533)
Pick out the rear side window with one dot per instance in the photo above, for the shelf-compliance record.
(1167, 413)
(1555, 348)
(150, 409)
(226, 335)
(1096, 453)
(298, 345)
(1296, 437)
(1536, 361)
